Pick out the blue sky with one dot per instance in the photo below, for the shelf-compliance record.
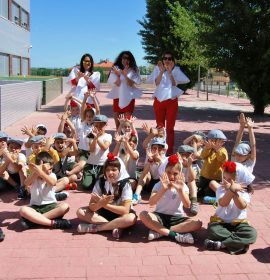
(63, 30)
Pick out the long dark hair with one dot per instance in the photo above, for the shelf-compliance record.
(91, 60)
(170, 53)
(132, 61)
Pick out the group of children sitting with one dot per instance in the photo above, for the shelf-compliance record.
(81, 154)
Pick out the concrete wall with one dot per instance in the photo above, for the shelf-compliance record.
(17, 100)
(65, 86)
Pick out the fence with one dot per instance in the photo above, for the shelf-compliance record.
(17, 100)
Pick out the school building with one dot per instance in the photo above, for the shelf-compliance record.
(14, 37)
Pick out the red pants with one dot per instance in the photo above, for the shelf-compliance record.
(128, 109)
(167, 111)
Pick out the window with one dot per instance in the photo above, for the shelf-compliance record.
(25, 20)
(25, 63)
(4, 8)
(15, 13)
(4, 65)
(16, 66)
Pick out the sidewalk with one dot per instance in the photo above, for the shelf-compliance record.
(46, 254)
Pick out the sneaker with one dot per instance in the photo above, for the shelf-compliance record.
(212, 245)
(87, 228)
(194, 207)
(117, 232)
(209, 199)
(153, 235)
(61, 196)
(22, 194)
(184, 238)
(2, 235)
(61, 224)
(26, 224)
(136, 199)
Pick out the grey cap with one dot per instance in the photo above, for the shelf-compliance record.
(216, 134)
(60, 136)
(158, 141)
(100, 118)
(37, 139)
(15, 140)
(185, 149)
(199, 133)
(3, 135)
(242, 149)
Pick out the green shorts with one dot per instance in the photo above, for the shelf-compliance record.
(83, 155)
(109, 215)
(169, 220)
(44, 208)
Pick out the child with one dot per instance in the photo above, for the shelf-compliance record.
(87, 115)
(150, 175)
(126, 125)
(126, 149)
(40, 129)
(110, 203)
(43, 208)
(67, 150)
(14, 163)
(99, 148)
(3, 149)
(158, 132)
(170, 195)
(214, 156)
(245, 153)
(196, 140)
(229, 228)
(191, 172)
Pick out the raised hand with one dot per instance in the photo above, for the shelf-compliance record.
(249, 123)
(178, 184)
(161, 66)
(146, 128)
(165, 182)
(242, 120)
(117, 137)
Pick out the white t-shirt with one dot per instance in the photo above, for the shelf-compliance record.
(83, 139)
(249, 164)
(170, 203)
(99, 156)
(231, 212)
(165, 90)
(130, 163)
(124, 92)
(77, 122)
(126, 193)
(41, 193)
(21, 159)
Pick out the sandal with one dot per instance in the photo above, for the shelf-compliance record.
(117, 233)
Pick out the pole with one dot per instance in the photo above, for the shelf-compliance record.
(199, 81)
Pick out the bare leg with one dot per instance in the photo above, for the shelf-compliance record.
(61, 184)
(142, 182)
(213, 185)
(44, 219)
(78, 167)
(116, 116)
(187, 226)
(88, 216)
(150, 220)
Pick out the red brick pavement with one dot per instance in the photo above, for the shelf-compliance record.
(46, 254)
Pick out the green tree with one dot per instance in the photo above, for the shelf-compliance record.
(169, 25)
(238, 41)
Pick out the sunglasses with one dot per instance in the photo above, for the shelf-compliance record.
(167, 58)
(125, 57)
(87, 61)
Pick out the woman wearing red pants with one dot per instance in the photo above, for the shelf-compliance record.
(167, 76)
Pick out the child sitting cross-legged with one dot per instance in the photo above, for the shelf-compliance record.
(43, 209)
(110, 203)
(170, 195)
(229, 228)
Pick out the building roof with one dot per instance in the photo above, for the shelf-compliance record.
(104, 64)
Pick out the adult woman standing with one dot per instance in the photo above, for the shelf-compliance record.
(166, 76)
(82, 78)
(123, 77)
